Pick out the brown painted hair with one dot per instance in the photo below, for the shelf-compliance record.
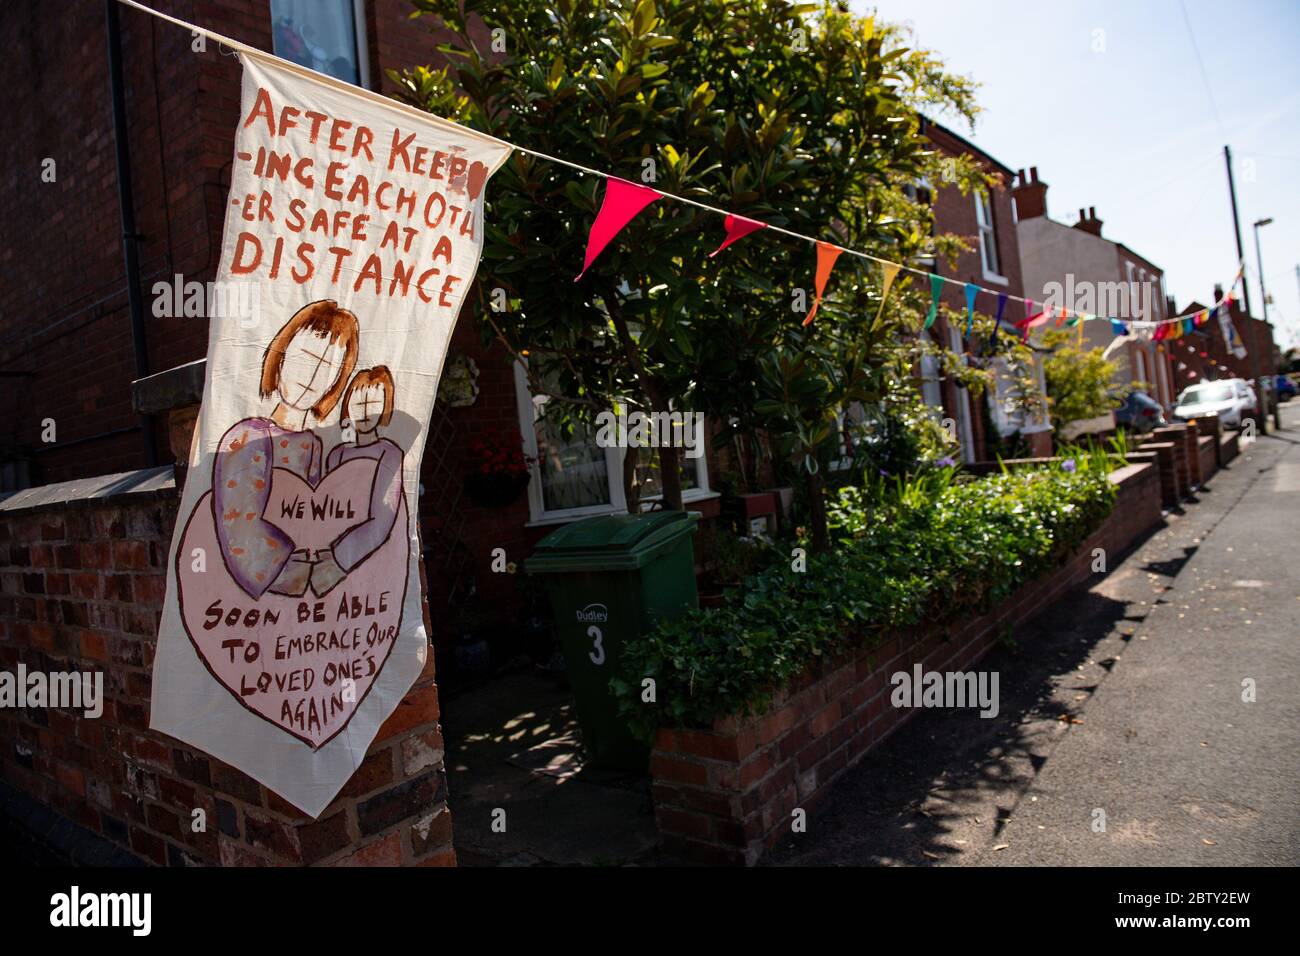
(323, 318)
(379, 375)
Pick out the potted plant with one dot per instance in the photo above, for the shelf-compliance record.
(501, 470)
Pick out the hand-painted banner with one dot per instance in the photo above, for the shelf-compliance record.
(294, 618)
(1231, 340)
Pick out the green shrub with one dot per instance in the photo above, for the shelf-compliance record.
(926, 555)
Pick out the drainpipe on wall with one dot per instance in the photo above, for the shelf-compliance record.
(126, 201)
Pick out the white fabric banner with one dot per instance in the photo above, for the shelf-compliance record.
(294, 619)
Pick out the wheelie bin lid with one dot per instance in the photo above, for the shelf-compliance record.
(621, 542)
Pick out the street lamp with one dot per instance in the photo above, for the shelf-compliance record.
(1259, 260)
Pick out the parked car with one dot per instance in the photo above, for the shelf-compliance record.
(1232, 399)
(1140, 413)
(1286, 389)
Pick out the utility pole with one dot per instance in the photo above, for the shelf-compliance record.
(1236, 226)
(1261, 407)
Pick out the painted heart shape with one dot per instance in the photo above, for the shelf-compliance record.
(304, 664)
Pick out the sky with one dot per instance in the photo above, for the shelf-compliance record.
(1126, 105)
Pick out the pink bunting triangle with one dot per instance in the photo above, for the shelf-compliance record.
(738, 227)
(623, 201)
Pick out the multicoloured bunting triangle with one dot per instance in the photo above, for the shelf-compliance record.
(738, 227)
(889, 272)
(972, 290)
(1030, 320)
(623, 201)
(936, 288)
(826, 256)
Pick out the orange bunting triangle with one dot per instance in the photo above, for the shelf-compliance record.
(826, 256)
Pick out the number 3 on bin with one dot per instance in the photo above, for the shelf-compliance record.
(597, 653)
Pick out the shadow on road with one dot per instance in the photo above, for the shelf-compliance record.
(933, 790)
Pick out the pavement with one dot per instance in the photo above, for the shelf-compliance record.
(519, 789)
(1123, 736)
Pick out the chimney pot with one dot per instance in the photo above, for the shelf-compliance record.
(1030, 195)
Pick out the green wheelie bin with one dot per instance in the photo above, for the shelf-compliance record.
(611, 579)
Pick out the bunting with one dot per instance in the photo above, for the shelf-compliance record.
(889, 272)
(738, 227)
(827, 254)
(936, 289)
(1030, 320)
(622, 203)
(972, 290)
(624, 200)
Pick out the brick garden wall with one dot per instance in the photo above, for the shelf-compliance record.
(725, 795)
(81, 589)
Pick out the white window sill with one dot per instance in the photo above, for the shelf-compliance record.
(996, 279)
(547, 520)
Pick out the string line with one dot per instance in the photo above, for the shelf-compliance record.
(587, 170)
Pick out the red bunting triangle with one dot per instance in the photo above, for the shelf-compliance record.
(738, 227)
(826, 256)
(623, 200)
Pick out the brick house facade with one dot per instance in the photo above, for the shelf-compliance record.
(988, 224)
(70, 356)
(1078, 257)
(1203, 355)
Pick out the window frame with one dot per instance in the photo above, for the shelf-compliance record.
(360, 41)
(539, 515)
(987, 234)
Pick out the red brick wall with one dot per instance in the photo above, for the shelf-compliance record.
(63, 306)
(1256, 335)
(1208, 453)
(725, 795)
(81, 589)
(954, 212)
(1184, 451)
(63, 315)
(1229, 447)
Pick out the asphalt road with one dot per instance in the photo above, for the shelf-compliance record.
(1125, 699)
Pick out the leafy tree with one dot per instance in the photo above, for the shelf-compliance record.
(1078, 380)
(803, 116)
